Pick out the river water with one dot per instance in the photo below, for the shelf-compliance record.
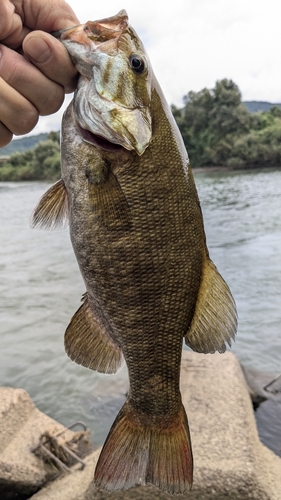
(41, 288)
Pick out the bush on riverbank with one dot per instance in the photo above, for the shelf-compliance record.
(217, 129)
(258, 148)
(39, 163)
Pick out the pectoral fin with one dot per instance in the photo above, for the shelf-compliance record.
(215, 319)
(52, 209)
(109, 201)
(87, 342)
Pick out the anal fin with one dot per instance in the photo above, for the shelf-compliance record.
(52, 210)
(87, 342)
(215, 318)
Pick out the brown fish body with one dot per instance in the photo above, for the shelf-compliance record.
(142, 266)
(137, 232)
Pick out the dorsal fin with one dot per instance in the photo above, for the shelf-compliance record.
(52, 210)
(215, 318)
(87, 342)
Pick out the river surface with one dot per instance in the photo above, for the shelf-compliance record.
(41, 288)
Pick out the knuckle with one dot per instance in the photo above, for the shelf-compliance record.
(14, 73)
(26, 121)
(12, 67)
(71, 85)
(5, 136)
(53, 100)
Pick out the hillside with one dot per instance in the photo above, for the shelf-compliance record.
(256, 106)
(23, 144)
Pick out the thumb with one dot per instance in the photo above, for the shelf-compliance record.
(51, 58)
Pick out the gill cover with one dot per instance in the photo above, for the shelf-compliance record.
(113, 96)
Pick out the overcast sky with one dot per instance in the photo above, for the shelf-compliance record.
(193, 43)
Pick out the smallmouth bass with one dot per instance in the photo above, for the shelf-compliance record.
(137, 231)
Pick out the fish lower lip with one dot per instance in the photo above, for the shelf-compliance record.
(99, 141)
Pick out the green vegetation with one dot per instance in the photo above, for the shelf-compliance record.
(218, 130)
(40, 163)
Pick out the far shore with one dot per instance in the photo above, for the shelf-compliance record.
(211, 169)
(231, 169)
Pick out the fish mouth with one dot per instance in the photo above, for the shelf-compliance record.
(98, 141)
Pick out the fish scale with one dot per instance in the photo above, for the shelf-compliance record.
(137, 231)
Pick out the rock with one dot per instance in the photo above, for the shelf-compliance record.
(265, 392)
(230, 461)
(268, 418)
(256, 381)
(22, 473)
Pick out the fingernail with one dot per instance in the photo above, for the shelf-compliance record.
(37, 49)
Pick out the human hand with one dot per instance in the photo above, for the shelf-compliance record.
(35, 68)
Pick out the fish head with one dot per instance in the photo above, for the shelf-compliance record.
(113, 96)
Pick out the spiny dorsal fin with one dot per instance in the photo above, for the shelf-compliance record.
(215, 319)
(87, 342)
(52, 209)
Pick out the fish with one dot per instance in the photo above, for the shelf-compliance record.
(128, 194)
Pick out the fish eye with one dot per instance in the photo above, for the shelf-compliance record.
(137, 63)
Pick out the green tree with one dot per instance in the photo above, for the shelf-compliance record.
(258, 148)
(54, 136)
(275, 111)
(194, 125)
(43, 152)
(210, 121)
(227, 114)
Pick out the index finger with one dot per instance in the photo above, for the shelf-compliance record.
(48, 15)
(12, 30)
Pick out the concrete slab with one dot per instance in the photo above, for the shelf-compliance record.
(230, 461)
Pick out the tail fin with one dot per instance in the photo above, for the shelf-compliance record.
(137, 454)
